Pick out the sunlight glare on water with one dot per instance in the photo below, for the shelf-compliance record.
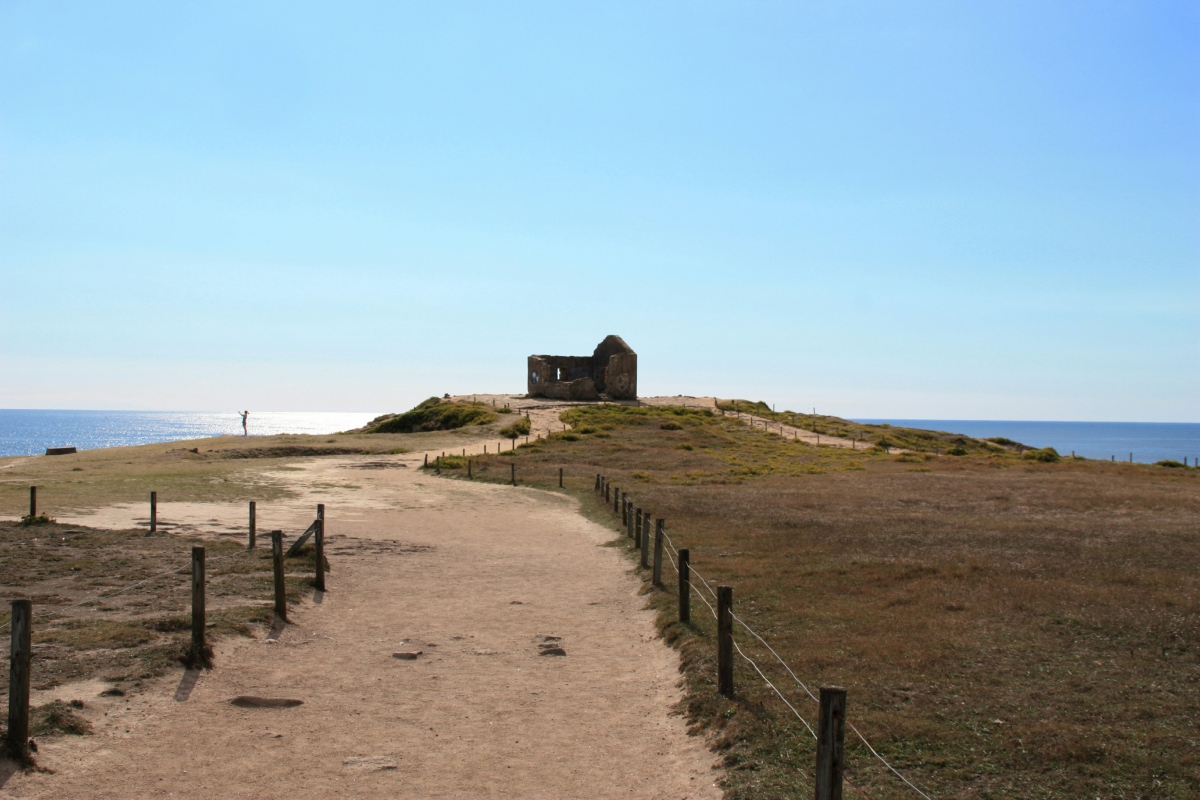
(31, 431)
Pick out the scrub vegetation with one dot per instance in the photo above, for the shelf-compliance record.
(434, 414)
(1005, 626)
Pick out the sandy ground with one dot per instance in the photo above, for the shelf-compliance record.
(477, 578)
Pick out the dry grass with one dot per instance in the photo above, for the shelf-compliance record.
(130, 637)
(225, 469)
(1005, 627)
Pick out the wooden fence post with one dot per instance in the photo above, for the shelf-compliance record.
(198, 599)
(644, 544)
(685, 586)
(831, 730)
(607, 491)
(658, 552)
(32, 502)
(625, 512)
(514, 473)
(427, 459)
(280, 589)
(319, 538)
(644, 535)
(636, 531)
(153, 512)
(469, 475)
(437, 465)
(616, 500)
(725, 640)
(560, 469)
(253, 524)
(597, 482)
(18, 678)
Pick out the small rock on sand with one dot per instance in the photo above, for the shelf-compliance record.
(408, 655)
(369, 763)
(246, 701)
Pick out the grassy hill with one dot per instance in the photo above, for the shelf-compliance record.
(1006, 626)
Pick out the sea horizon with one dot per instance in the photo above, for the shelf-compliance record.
(1141, 442)
(25, 432)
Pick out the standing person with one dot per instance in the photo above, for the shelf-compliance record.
(245, 430)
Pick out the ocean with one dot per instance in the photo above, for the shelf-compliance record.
(1148, 442)
(25, 432)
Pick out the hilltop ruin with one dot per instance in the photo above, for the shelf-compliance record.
(609, 372)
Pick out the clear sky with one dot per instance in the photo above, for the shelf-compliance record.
(878, 209)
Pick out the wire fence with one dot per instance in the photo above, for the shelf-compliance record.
(672, 554)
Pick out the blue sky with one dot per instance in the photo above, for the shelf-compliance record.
(920, 210)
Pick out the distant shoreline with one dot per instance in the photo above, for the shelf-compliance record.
(1147, 441)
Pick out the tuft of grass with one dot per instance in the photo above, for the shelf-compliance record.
(1170, 463)
(670, 425)
(447, 462)
(433, 414)
(58, 718)
(41, 519)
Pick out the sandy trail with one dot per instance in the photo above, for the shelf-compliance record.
(792, 432)
(475, 577)
(543, 417)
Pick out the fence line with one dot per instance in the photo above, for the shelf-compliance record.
(886, 764)
(672, 549)
(768, 683)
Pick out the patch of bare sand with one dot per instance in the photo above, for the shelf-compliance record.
(474, 576)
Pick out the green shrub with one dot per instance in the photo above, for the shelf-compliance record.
(671, 425)
(1169, 463)
(957, 450)
(519, 427)
(40, 519)
(1001, 440)
(433, 415)
(1047, 455)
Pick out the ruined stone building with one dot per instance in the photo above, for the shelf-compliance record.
(609, 372)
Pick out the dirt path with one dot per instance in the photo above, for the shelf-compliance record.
(792, 432)
(477, 578)
(543, 417)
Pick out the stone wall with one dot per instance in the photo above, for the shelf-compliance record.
(611, 371)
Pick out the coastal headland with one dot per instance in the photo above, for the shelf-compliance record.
(1006, 621)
